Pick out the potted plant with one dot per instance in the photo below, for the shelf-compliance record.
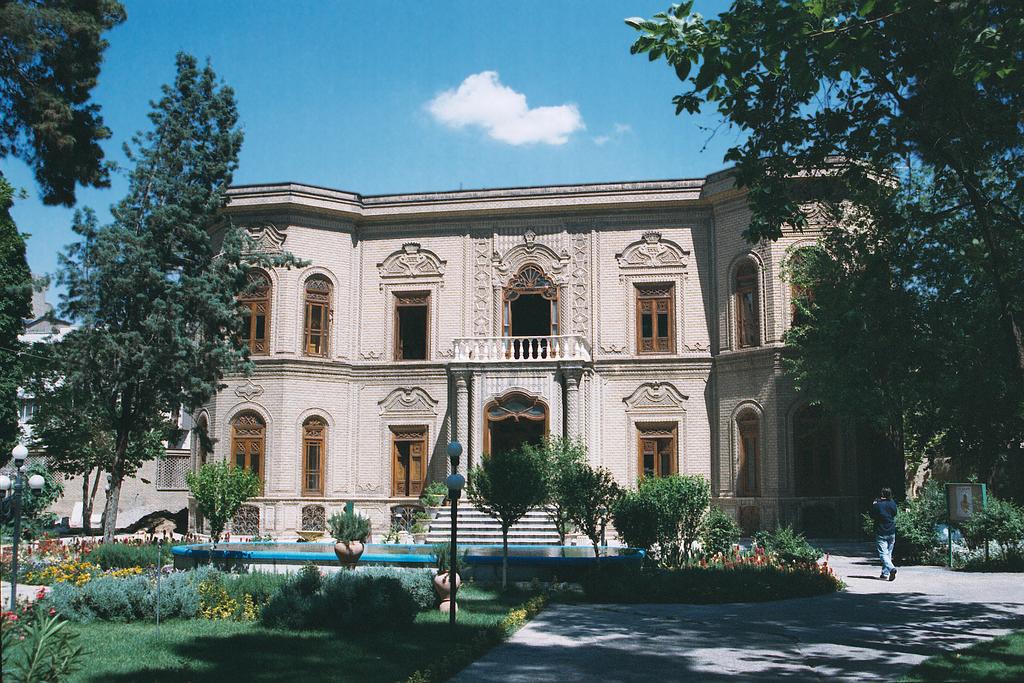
(442, 580)
(419, 532)
(433, 495)
(349, 531)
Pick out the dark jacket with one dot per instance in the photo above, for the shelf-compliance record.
(884, 513)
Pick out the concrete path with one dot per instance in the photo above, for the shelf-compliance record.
(875, 630)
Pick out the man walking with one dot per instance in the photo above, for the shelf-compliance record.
(883, 512)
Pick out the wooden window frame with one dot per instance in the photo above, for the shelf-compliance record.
(411, 434)
(748, 426)
(252, 301)
(322, 300)
(416, 299)
(249, 428)
(655, 292)
(656, 431)
(741, 290)
(314, 432)
(531, 401)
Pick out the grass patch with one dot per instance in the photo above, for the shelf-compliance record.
(221, 651)
(1001, 659)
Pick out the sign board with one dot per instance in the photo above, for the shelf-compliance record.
(963, 500)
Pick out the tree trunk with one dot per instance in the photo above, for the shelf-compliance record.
(86, 503)
(504, 556)
(114, 492)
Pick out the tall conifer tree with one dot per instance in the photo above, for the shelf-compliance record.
(15, 299)
(155, 290)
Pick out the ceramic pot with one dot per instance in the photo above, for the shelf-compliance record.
(443, 588)
(348, 552)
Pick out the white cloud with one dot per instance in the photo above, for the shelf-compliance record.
(601, 139)
(621, 128)
(618, 131)
(482, 100)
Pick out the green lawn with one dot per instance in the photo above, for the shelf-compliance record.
(222, 651)
(1001, 659)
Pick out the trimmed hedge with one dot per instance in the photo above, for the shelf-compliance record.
(124, 555)
(709, 585)
(108, 598)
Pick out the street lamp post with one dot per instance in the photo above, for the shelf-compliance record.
(455, 483)
(19, 453)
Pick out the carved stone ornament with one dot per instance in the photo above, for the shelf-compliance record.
(249, 390)
(411, 261)
(613, 348)
(656, 395)
(368, 487)
(817, 215)
(371, 355)
(698, 347)
(530, 251)
(268, 237)
(652, 252)
(413, 400)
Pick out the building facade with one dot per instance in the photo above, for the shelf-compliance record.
(633, 316)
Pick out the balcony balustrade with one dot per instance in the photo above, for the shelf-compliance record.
(564, 347)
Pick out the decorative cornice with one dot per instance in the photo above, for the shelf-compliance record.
(268, 238)
(656, 395)
(408, 401)
(249, 390)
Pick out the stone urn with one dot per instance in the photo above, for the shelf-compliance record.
(348, 552)
(443, 588)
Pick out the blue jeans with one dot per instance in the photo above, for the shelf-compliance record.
(885, 544)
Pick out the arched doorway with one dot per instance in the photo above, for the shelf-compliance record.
(512, 420)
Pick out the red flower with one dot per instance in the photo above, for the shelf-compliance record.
(52, 611)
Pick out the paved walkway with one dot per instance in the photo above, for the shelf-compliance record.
(875, 630)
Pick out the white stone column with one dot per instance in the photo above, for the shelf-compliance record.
(462, 417)
(572, 401)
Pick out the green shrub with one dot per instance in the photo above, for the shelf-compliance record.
(708, 585)
(720, 534)
(39, 647)
(107, 598)
(123, 555)
(916, 540)
(636, 519)
(1001, 521)
(348, 526)
(259, 586)
(365, 599)
(434, 494)
(419, 583)
(669, 509)
(787, 544)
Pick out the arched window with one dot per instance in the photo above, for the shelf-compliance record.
(748, 438)
(814, 439)
(747, 323)
(314, 450)
(318, 315)
(798, 292)
(255, 301)
(248, 442)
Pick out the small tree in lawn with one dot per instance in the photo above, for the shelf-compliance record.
(505, 486)
(219, 490)
(588, 495)
(558, 454)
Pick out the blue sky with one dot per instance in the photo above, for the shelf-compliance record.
(403, 97)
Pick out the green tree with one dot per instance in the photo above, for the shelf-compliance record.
(155, 290)
(558, 454)
(907, 112)
(15, 306)
(671, 510)
(220, 490)
(69, 425)
(588, 495)
(506, 485)
(51, 53)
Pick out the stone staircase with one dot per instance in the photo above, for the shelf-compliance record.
(476, 527)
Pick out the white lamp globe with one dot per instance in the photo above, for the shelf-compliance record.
(5, 483)
(36, 482)
(19, 453)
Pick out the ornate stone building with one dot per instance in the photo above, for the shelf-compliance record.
(633, 315)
